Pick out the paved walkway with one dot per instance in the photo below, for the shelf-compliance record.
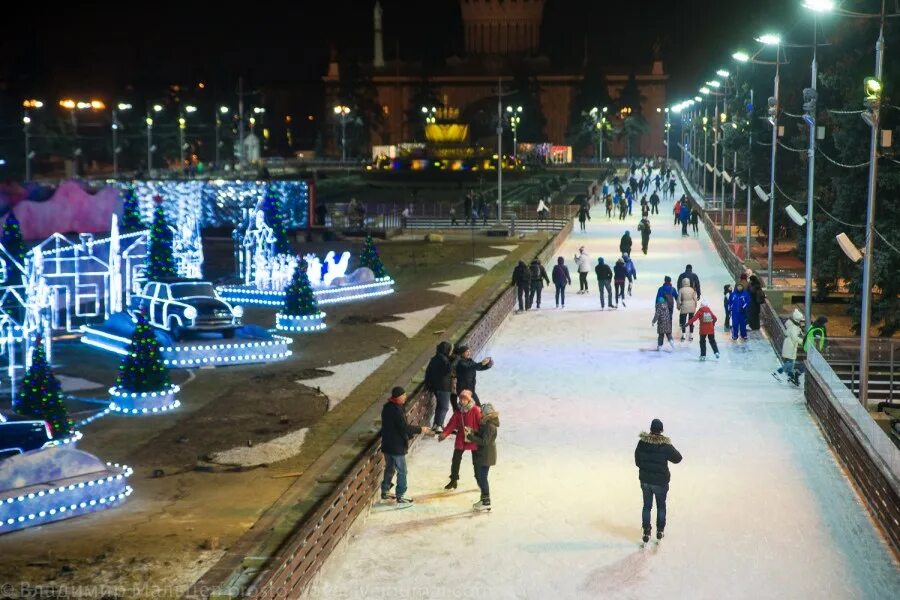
(758, 508)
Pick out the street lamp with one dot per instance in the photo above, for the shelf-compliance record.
(150, 147)
(771, 39)
(600, 124)
(26, 128)
(72, 106)
(223, 110)
(115, 135)
(342, 111)
(182, 126)
(514, 115)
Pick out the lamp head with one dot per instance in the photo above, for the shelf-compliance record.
(741, 56)
(769, 39)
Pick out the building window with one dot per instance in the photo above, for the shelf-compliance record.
(386, 110)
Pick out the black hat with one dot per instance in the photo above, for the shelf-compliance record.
(399, 391)
(667, 279)
(656, 426)
(461, 348)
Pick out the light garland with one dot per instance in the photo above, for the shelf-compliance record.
(143, 411)
(93, 418)
(252, 295)
(293, 322)
(76, 435)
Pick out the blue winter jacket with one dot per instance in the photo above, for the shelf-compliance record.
(738, 302)
(667, 290)
(685, 213)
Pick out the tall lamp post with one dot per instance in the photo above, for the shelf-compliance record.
(157, 108)
(115, 135)
(182, 126)
(26, 129)
(600, 124)
(742, 57)
(514, 114)
(771, 39)
(342, 112)
(223, 110)
(72, 106)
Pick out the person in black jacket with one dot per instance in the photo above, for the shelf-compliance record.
(466, 370)
(604, 279)
(651, 456)
(537, 275)
(395, 436)
(695, 281)
(437, 381)
(522, 280)
(625, 243)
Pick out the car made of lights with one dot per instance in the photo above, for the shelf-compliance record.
(18, 437)
(184, 305)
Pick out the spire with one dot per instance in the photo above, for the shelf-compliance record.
(378, 60)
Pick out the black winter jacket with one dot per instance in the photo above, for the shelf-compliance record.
(466, 369)
(603, 272)
(521, 277)
(625, 244)
(695, 281)
(437, 373)
(395, 431)
(652, 455)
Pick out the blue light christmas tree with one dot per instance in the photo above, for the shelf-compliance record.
(15, 246)
(143, 370)
(273, 209)
(160, 262)
(41, 397)
(131, 212)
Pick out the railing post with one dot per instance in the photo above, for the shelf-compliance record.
(891, 393)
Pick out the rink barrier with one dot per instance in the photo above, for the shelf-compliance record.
(865, 449)
(289, 572)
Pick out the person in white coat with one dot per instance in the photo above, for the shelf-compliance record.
(583, 263)
(542, 210)
(793, 337)
(687, 306)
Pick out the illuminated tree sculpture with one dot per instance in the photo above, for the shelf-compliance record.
(41, 397)
(273, 208)
(15, 247)
(131, 212)
(369, 258)
(160, 262)
(143, 370)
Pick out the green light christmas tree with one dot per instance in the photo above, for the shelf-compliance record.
(15, 246)
(131, 212)
(143, 370)
(369, 258)
(299, 300)
(41, 397)
(160, 262)
(273, 209)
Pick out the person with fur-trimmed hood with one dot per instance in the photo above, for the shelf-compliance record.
(467, 418)
(793, 337)
(652, 456)
(485, 456)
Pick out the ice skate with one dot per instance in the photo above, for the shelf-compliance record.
(659, 535)
(777, 376)
(482, 505)
(646, 535)
(690, 337)
(451, 485)
(702, 359)
(387, 496)
(717, 356)
(671, 346)
(404, 500)
(437, 429)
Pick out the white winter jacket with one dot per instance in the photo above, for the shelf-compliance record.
(793, 336)
(583, 261)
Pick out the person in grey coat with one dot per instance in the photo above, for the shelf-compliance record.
(485, 456)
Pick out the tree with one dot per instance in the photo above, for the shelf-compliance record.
(273, 209)
(634, 125)
(160, 263)
(299, 300)
(593, 93)
(15, 247)
(425, 95)
(143, 369)
(356, 90)
(41, 397)
(131, 212)
(527, 94)
(370, 259)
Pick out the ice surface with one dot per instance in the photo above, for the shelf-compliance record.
(758, 508)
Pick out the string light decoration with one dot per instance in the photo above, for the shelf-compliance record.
(160, 263)
(300, 312)
(15, 250)
(142, 370)
(273, 208)
(369, 258)
(131, 212)
(41, 397)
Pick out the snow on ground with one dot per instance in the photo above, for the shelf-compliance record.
(488, 262)
(345, 378)
(507, 248)
(75, 384)
(280, 448)
(759, 508)
(412, 323)
(455, 287)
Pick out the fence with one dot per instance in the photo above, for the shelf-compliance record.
(289, 572)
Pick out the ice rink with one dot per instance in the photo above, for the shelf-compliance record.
(758, 508)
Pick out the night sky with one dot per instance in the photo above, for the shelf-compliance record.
(114, 51)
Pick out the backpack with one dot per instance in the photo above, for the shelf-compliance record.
(707, 317)
(535, 271)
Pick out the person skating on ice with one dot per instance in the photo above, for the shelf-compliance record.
(662, 318)
(395, 436)
(485, 456)
(438, 380)
(630, 271)
(620, 274)
(583, 263)
(652, 456)
(695, 280)
(695, 221)
(684, 215)
(467, 417)
(467, 371)
(738, 302)
(582, 216)
(604, 279)
(644, 228)
(793, 336)
(521, 278)
(817, 334)
(538, 276)
(668, 293)
(707, 328)
(726, 295)
(654, 203)
(687, 306)
(561, 279)
(626, 243)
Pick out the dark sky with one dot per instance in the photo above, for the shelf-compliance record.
(112, 49)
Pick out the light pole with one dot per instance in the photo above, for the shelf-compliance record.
(182, 126)
(667, 130)
(72, 106)
(342, 111)
(715, 85)
(26, 129)
(514, 114)
(115, 136)
(770, 39)
(743, 57)
(600, 124)
(705, 146)
(223, 110)
(157, 108)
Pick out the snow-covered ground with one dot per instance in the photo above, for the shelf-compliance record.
(759, 508)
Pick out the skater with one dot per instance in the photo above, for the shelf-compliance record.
(676, 210)
(437, 381)
(668, 293)
(672, 187)
(604, 278)
(695, 281)
(467, 370)
(560, 280)
(707, 328)
(467, 418)
(739, 301)
(626, 243)
(816, 335)
(685, 217)
(538, 275)
(757, 299)
(453, 221)
(522, 280)
(395, 436)
(662, 318)
(793, 336)
(582, 217)
(623, 210)
(620, 273)
(695, 221)
(652, 456)
(542, 211)
(609, 206)
(687, 306)
(630, 271)
(726, 293)
(629, 197)
(654, 202)
(485, 456)
(644, 228)
(582, 261)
